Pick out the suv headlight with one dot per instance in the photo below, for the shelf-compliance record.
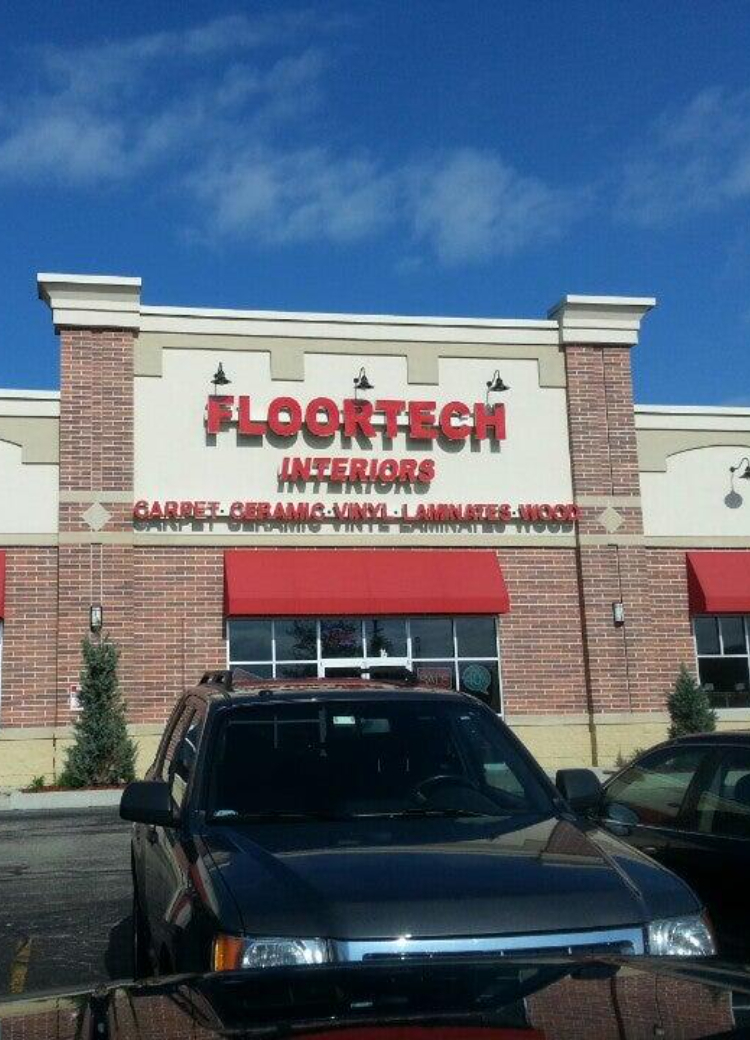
(681, 937)
(231, 952)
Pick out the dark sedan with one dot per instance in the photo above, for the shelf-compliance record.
(687, 804)
(315, 822)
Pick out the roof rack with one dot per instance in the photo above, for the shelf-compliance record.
(218, 678)
(225, 677)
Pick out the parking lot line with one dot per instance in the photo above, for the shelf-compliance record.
(19, 966)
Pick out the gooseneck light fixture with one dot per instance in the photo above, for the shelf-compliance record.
(219, 378)
(745, 475)
(361, 382)
(495, 386)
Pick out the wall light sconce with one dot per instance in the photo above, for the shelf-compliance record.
(220, 378)
(495, 386)
(361, 382)
(745, 475)
(96, 617)
(734, 499)
(618, 612)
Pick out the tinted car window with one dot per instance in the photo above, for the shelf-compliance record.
(358, 757)
(655, 787)
(179, 758)
(724, 807)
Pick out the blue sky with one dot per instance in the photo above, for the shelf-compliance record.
(457, 157)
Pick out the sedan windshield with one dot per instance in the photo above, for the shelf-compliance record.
(360, 758)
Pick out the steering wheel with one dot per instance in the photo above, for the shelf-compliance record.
(432, 784)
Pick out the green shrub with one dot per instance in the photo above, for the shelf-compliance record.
(689, 707)
(102, 752)
(37, 784)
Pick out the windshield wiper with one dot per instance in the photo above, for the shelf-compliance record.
(448, 814)
(269, 816)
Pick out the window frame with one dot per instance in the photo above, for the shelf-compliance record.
(721, 656)
(455, 661)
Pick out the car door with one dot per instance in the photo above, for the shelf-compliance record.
(645, 804)
(167, 873)
(712, 850)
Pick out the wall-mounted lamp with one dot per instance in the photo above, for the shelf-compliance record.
(734, 499)
(495, 386)
(361, 382)
(220, 378)
(618, 612)
(96, 617)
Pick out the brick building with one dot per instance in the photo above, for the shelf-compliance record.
(485, 505)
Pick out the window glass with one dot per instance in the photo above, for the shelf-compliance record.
(707, 635)
(250, 639)
(386, 637)
(180, 754)
(253, 671)
(733, 635)
(296, 671)
(341, 637)
(726, 680)
(481, 679)
(398, 756)
(724, 807)
(432, 637)
(296, 639)
(440, 674)
(475, 637)
(655, 788)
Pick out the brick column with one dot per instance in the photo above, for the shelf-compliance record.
(597, 334)
(97, 322)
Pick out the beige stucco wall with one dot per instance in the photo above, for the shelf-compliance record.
(28, 493)
(40, 751)
(685, 455)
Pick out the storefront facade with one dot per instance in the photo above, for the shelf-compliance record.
(312, 495)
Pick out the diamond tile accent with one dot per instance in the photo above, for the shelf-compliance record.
(611, 520)
(96, 516)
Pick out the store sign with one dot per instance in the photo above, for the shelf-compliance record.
(387, 464)
(203, 510)
(322, 417)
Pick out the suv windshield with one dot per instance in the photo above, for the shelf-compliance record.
(366, 758)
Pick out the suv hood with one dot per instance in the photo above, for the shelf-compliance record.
(369, 879)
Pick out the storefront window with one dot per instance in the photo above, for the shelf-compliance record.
(449, 653)
(722, 645)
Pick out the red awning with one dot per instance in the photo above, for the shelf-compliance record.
(2, 585)
(297, 582)
(718, 582)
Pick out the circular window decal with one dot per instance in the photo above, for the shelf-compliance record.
(476, 678)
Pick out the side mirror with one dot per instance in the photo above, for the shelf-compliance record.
(147, 801)
(581, 788)
(620, 819)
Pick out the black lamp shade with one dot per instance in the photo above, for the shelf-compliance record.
(362, 382)
(220, 378)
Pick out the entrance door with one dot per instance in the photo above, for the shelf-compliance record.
(351, 647)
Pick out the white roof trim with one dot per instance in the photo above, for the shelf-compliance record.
(31, 395)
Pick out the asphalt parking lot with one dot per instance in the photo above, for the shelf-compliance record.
(65, 903)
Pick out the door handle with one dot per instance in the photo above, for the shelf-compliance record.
(650, 850)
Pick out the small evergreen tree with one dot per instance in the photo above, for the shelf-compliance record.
(689, 707)
(102, 753)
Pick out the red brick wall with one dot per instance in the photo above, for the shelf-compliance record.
(96, 409)
(29, 638)
(540, 639)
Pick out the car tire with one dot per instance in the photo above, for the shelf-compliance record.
(141, 941)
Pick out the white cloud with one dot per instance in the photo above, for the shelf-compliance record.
(692, 160)
(230, 115)
(299, 195)
(471, 205)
